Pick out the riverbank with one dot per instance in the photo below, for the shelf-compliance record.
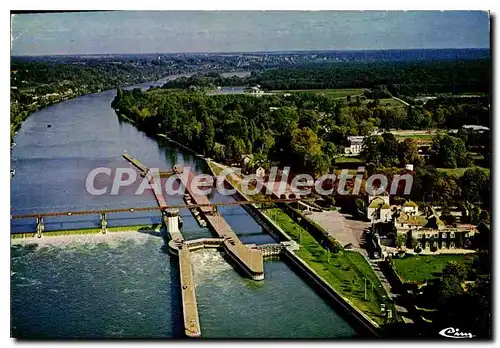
(130, 290)
(341, 276)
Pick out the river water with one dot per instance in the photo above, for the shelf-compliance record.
(125, 285)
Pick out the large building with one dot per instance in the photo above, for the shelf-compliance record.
(354, 145)
(429, 231)
(379, 209)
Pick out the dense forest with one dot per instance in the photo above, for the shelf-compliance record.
(399, 78)
(305, 131)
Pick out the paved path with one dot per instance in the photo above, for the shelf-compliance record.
(402, 311)
(401, 101)
(342, 227)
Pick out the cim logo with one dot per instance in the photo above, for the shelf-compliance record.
(455, 333)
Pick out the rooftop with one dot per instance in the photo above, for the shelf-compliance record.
(355, 139)
(410, 204)
(417, 220)
(378, 202)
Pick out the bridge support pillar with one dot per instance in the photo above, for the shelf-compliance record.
(170, 219)
(104, 223)
(39, 227)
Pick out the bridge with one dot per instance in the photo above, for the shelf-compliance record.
(144, 209)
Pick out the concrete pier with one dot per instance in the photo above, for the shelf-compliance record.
(171, 222)
(249, 260)
(104, 223)
(189, 307)
(39, 227)
(160, 199)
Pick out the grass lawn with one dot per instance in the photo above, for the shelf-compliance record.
(237, 184)
(335, 93)
(419, 268)
(348, 159)
(345, 271)
(414, 136)
(458, 172)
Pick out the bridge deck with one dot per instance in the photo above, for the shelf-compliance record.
(160, 199)
(250, 259)
(189, 306)
(136, 163)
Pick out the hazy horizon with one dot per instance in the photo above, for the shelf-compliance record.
(150, 32)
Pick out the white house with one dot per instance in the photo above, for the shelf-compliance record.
(246, 159)
(255, 90)
(260, 172)
(379, 209)
(355, 144)
(410, 208)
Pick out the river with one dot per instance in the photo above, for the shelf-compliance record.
(124, 285)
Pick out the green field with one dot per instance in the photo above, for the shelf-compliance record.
(348, 159)
(345, 271)
(420, 268)
(458, 172)
(385, 102)
(414, 136)
(335, 93)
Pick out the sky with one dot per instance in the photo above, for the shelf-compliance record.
(238, 31)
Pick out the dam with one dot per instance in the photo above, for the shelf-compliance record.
(51, 166)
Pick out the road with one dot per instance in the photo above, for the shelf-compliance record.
(401, 101)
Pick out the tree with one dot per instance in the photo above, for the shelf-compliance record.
(484, 216)
(448, 286)
(412, 243)
(448, 219)
(265, 141)
(389, 149)
(408, 152)
(455, 269)
(309, 119)
(371, 149)
(449, 152)
(320, 164)
(236, 148)
(305, 147)
(219, 152)
(208, 135)
(400, 240)
(370, 168)
(475, 184)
